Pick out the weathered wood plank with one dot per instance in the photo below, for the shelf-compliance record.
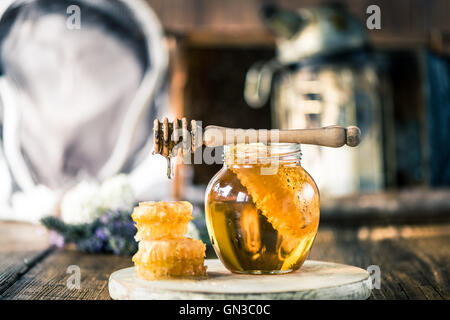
(21, 245)
(14, 265)
(11, 265)
(414, 260)
(48, 280)
(20, 236)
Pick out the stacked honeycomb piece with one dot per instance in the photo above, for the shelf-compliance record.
(163, 250)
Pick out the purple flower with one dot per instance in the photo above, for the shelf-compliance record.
(56, 239)
(105, 218)
(101, 234)
(91, 244)
(113, 232)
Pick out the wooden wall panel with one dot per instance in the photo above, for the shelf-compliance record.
(401, 19)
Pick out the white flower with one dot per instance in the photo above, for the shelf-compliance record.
(116, 193)
(81, 204)
(34, 204)
(87, 201)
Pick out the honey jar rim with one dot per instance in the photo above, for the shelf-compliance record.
(262, 153)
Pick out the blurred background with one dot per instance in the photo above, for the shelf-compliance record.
(300, 64)
(82, 82)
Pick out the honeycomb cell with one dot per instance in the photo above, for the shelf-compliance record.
(163, 211)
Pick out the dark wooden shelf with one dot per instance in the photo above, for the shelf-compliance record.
(409, 206)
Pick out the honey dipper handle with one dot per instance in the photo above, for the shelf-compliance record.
(333, 136)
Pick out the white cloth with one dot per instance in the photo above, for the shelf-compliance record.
(69, 91)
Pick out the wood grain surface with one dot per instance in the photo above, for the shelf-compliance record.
(414, 261)
(21, 246)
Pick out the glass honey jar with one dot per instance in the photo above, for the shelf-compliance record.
(262, 209)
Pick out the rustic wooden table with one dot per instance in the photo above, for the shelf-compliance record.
(414, 261)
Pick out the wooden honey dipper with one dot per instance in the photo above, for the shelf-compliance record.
(168, 134)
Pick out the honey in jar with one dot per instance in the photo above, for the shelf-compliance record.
(262, 209)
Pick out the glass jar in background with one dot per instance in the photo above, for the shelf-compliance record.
(262, 209)
(326, 72)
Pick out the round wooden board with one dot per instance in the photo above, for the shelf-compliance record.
(314, 280)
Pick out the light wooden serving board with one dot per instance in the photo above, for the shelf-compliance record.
(314, 280)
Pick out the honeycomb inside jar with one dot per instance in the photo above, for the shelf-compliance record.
(262, 223)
